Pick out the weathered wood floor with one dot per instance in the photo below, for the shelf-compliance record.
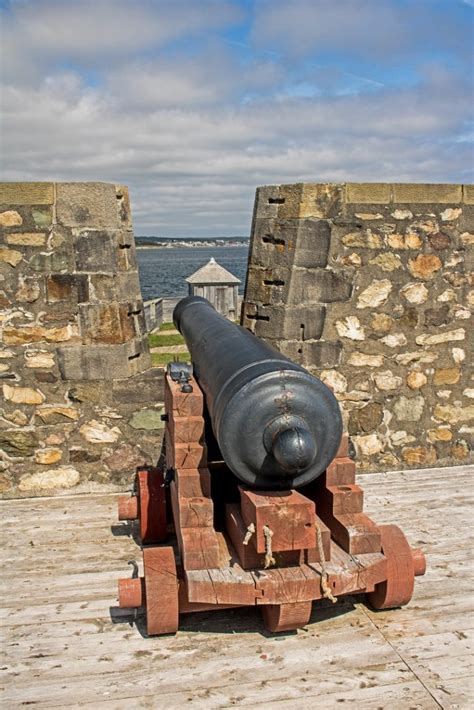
(60, 563)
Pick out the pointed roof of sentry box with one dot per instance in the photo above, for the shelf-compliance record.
(212, 273)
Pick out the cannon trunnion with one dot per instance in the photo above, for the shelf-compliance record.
(255, 503)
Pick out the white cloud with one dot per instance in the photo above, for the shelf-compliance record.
(373, 30)
(195, 127)
(91, 28)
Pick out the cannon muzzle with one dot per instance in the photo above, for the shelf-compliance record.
(277, 426)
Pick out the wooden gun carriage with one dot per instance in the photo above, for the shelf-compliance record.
(222, 523)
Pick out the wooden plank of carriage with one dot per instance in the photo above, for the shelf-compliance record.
(60, 564)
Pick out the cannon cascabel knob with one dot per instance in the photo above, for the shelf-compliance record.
(294, 449)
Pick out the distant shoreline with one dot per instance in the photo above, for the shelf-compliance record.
(192, 245)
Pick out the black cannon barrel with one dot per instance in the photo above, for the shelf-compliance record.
(277, 426)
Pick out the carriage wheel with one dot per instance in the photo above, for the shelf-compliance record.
(397, 590)
(286, 617)
(161, 589)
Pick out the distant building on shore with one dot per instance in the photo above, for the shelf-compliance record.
(218, 285)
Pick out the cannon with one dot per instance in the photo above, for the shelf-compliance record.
(277, 427)
(254, 501)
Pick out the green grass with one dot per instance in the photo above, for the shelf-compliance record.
(162, 359)
(167, 326)
(157, 340)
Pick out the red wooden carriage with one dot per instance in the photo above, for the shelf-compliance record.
(210, 542)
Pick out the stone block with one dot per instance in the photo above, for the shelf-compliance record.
(78, 455)
(136, 314)
(88, 392)
(125, 458)
(123, 205)
(447, 376)
(362, 239)
(291, 348)
(249, 316)
(46, 457)
(45, 377)
(108, 323)
(97, 362)
(375, 294)
(114, 287)
(61, 314)
(268, 286)
(23, 335)
(26, 193)
(289, 323)
(95, 250)
(61, 236)
(148, 419)
(267, 245)
(39, 358)
(42, 217)
(292, 286)
(5, 302)
(45, 482)
(103, 287)
(439, 241)
(147, 387)
(468, 194)
(60, 261)
(303, 200)
(67, 287)
(125, 238)
(10, 256)
(368, 193)
(427, 193)
(312, 243)
(317, 354)
(138, 356)
(437, 316)
(27, 239)
(322, 354)
(292, 242)
(290, 201)
(22, 395)
(56, 414)
(267, 201)
(10, 218)
(126, 257)
(128, 286)
(86, 204)
(320, 200)
(319, 286)
(18, 443)
(366, 419)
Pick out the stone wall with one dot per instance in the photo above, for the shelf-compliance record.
(370, 286)
(81, 405)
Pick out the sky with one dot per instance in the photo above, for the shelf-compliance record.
(194, 103)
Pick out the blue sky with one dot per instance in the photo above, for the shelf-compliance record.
(193, 103)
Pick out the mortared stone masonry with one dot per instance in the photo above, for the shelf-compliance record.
(81, 404)
(370, 286)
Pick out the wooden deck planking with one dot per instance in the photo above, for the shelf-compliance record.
(61, 649)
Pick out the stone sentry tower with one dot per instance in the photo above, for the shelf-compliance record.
(81, 404)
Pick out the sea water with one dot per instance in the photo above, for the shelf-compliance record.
(163, 270)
